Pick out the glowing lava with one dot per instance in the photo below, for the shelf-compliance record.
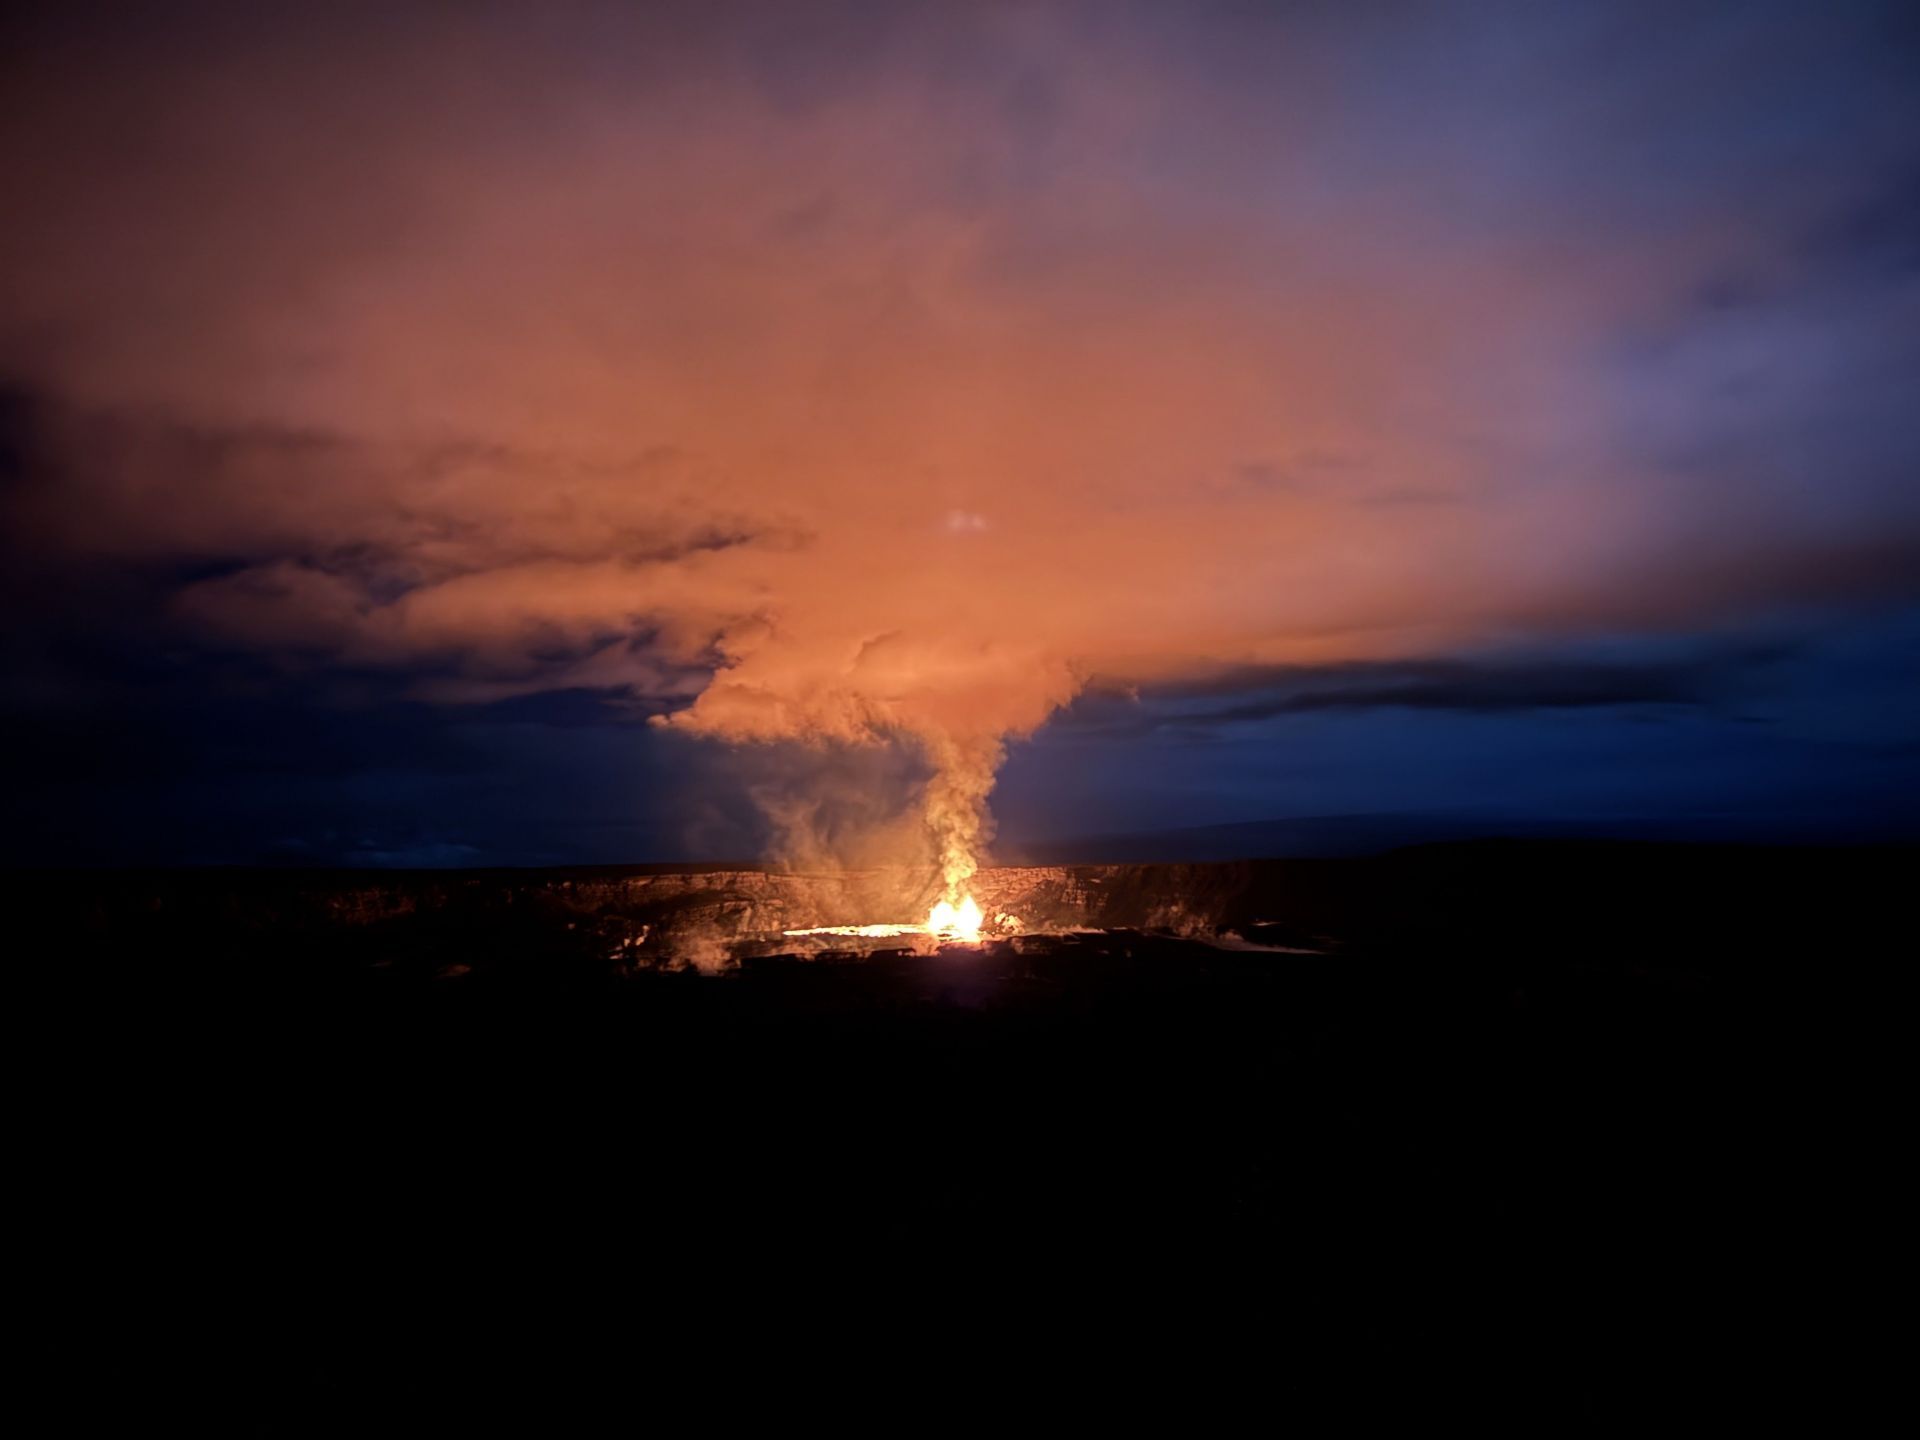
(947, 922)
(956, 922)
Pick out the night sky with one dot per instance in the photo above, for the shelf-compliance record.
(490, 434)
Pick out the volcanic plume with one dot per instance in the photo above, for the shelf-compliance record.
(956, 710)
(884, 376)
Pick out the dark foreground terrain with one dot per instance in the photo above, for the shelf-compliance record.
(1551, 1079)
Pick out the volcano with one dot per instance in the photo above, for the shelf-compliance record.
(663, 918)
(1306, 1076)
(1644, 908)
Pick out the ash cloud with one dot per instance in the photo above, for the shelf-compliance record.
(877, 376)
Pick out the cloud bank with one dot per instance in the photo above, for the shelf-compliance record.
(857, 374)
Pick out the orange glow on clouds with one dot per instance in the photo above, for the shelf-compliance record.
(904, 399)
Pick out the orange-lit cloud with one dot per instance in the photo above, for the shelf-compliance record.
(840, 379)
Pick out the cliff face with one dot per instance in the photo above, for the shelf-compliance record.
(645, 917)
(756, 907)
(1676, 908)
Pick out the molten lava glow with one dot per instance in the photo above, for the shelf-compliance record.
(956, 922)
(953, 924)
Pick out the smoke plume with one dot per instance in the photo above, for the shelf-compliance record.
(881, 376)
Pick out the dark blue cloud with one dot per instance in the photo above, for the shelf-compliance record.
(1806, 733)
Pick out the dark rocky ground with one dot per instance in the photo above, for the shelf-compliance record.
(1530, 1076)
